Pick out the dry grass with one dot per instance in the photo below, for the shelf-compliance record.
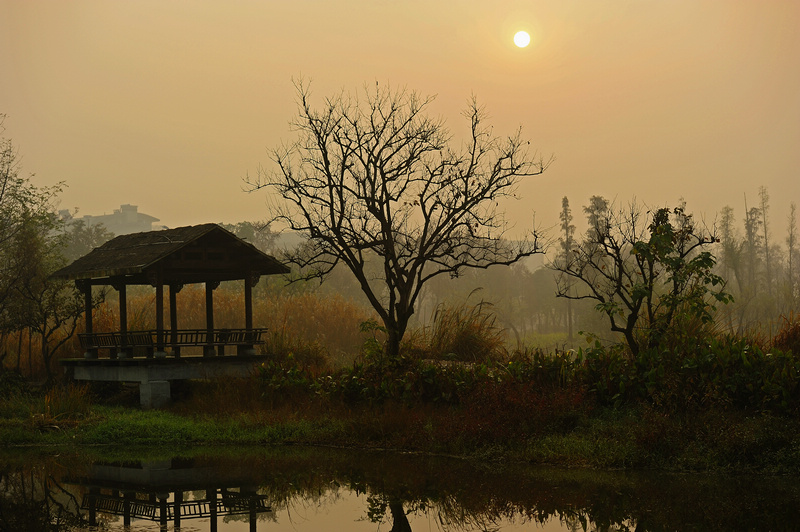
(463, 333)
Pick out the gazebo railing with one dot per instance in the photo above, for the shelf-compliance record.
(120, 341)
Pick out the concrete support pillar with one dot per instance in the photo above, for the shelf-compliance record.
(154, 394)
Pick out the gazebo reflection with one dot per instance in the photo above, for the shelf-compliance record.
(169, 491)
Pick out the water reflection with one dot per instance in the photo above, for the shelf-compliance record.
(313, 489)
(169, 491)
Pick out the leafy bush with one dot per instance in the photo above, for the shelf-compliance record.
(725, 372)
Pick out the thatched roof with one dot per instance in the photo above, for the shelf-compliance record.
(183, 255)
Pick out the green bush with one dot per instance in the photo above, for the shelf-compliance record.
(725, 372)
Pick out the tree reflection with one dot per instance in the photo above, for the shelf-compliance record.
(454, 494)
(33, 500)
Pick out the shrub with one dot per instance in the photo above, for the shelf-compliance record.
(788, 338)
(463, 333)
(60, 405)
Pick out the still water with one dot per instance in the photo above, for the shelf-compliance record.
(304, 489)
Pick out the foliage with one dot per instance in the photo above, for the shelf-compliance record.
(378, 179)
(12, 384)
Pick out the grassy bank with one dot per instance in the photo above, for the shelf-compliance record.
(601, 437)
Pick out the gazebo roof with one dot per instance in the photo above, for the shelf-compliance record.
(184, 255)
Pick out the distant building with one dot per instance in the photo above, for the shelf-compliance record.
(125, 220)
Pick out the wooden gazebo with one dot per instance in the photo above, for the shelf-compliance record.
(173, 258)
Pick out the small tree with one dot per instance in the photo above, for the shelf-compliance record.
(379, 178)
(22, 204)
(51, 308)
(642, 271)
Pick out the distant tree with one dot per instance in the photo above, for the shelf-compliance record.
(567, 244)
(643, 271)
(597, 212)
(377, 177)
(731, 255)
(763, 197)
(82, 238)
(791, 255)
(753, 245)
(259, 234)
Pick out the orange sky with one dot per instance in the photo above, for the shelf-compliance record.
(169, 104)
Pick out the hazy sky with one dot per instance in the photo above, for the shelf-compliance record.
(169, 104)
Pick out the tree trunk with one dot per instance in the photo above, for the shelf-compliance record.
(393, 343)
(399, 520)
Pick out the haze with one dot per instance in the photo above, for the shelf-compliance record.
(169, 105)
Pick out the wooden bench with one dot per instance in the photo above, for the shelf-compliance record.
(117, 342)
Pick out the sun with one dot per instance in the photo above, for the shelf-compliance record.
(522, 39)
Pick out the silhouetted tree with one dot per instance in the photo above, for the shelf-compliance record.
(643, 270)
(377, 177)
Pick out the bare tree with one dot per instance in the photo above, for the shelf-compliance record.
(642, 270)
(377, 177)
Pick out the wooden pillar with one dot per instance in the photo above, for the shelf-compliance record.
(176, 512)
(124, 350)
(211, 495)
(128, 496)
(162, 510)
(250, 281)
(86, 287)
(173, 317)
(160, 316)
(92, 503)
(248, 303)
(209, 348)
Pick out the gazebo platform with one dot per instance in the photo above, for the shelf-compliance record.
(154, 374)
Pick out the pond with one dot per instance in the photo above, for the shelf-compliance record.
(304, 489)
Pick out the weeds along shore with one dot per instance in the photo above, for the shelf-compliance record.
(725, 405)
